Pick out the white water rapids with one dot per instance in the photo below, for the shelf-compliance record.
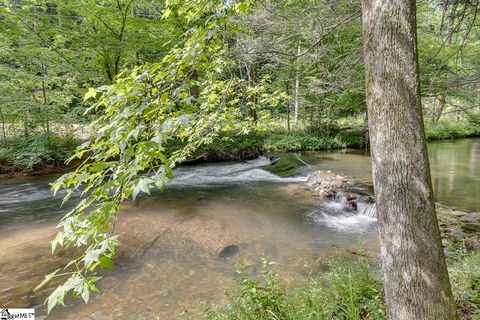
(333, 214)
(229, 173)
(337, 215)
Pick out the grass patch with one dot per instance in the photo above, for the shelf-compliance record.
(349, 290)
(464, 270)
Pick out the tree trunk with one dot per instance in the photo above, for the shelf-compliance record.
(45, 101)
(451, 29)
(194, 89)
(415, 273)
(297, 90)
(441, 106)
(4, 131)
(252, 79)
(288, 108)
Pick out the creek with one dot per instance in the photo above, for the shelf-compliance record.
(181, 247)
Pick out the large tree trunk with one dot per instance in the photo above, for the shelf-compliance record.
(416, 279)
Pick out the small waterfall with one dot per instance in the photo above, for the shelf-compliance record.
(367, 209)
(341, 197)
(346, 212)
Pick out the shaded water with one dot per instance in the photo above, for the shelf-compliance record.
(169, 259)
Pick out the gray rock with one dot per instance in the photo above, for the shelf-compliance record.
(447, 253)
(470, 218)
(458, 213)
(470, 223)
(471, 227)
(229, 251)
(459, 235)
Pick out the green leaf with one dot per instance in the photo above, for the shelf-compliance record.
(91, 93)
(46, 280)
(106, 262)
(91, 256)
(142, 185)
(56, 298)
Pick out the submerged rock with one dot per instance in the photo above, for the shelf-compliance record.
(229, 251)
(273, 159)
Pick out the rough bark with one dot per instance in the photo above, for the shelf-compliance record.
(416, 278)
(297, 91)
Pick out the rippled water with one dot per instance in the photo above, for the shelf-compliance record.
(169, 259)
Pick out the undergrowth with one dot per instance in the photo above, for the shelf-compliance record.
(28, 154)
(349, 290)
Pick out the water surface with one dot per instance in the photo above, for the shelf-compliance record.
(169, 259)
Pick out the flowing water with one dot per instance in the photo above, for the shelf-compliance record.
(180, 247)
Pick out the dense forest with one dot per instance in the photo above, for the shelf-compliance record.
(298, 66)
(121, 92)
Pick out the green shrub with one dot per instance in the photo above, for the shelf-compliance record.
(446, 129)
(347, 291)
(232, 146)
(464, 270)
(27, 154)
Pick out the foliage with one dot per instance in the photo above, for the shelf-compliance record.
(53, 51)
(176, 74)
(349, 290)
(302, 141)
(27, 154)
(231, 146)
(464, 270)
(137, 116)
(446, 129)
